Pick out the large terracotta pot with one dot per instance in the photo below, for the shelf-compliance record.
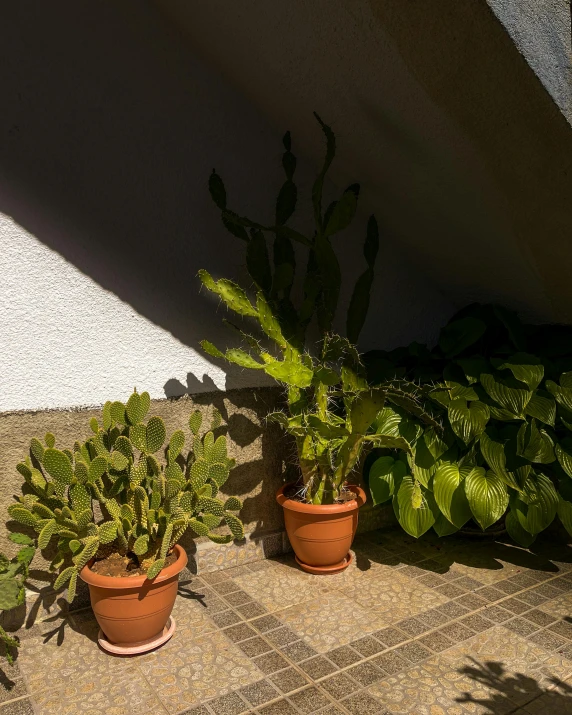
(133, 611)
(321, 534)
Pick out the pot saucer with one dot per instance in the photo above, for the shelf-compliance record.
(142, 646)
(336, 568)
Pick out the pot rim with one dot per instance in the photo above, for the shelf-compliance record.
(135, 582)
(293, 505)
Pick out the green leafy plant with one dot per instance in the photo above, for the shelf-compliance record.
(148, 491)
(13, 575)
(331, 408)
(506, 447)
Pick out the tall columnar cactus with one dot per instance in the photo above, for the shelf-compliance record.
(332, 410)
(147, 490)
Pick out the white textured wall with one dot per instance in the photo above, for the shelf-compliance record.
(110, 128)
(51, 356)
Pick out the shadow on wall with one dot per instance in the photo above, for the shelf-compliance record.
(108, 145)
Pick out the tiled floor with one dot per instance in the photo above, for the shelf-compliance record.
(429, 627)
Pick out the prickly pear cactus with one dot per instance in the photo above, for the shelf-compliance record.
(148, 490)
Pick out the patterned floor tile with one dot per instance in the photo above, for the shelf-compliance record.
(416, 691)
(525, 664)
(281, 586)
(54, 664)
(560, 607)
(202, 668)
(396, 597)
(127, 693)
(329, 622)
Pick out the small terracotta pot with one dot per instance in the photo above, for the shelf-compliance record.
(133, 610)
(321, 534)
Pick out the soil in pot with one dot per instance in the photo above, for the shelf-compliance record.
(124, 566)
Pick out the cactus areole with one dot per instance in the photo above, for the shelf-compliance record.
(148, 490)
(331, 410)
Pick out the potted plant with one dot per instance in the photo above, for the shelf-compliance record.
(504, 457)
(148, 493)
(331, 409)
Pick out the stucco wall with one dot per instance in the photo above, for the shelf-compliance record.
(110, 128)
(459, 143)
(541, 30)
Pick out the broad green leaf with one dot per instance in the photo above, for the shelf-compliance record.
(562, 395)
(494, 453)
(525, 368)
(565, 514)
(543, 407)
(438, 444)
(422, 463)
(443, 526)
(535, 444)
(449, 493)
(537, 506)
(517, 532)
(473, 368)
(415, 521)
(563, 451)
(385, 475)
(460, 334)
(487, 495)
(19, 538)
(508, 392)
(468, 421)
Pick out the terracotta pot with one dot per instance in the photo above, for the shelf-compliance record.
(321, 534)
(134, 610)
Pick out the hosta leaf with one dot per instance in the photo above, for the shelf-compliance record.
(535, 444)
(438, 444)
(508, 392)
(494, 453)
(525, 368)
(517, 532)
(487, 495)
(563, 451)
(385, 475)
(565, 514)
(562, 395)
(543, 407)
(443, 526)
(449, 493)
(537, 506)
(415, 521)
(468, 420)
(422, 463)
